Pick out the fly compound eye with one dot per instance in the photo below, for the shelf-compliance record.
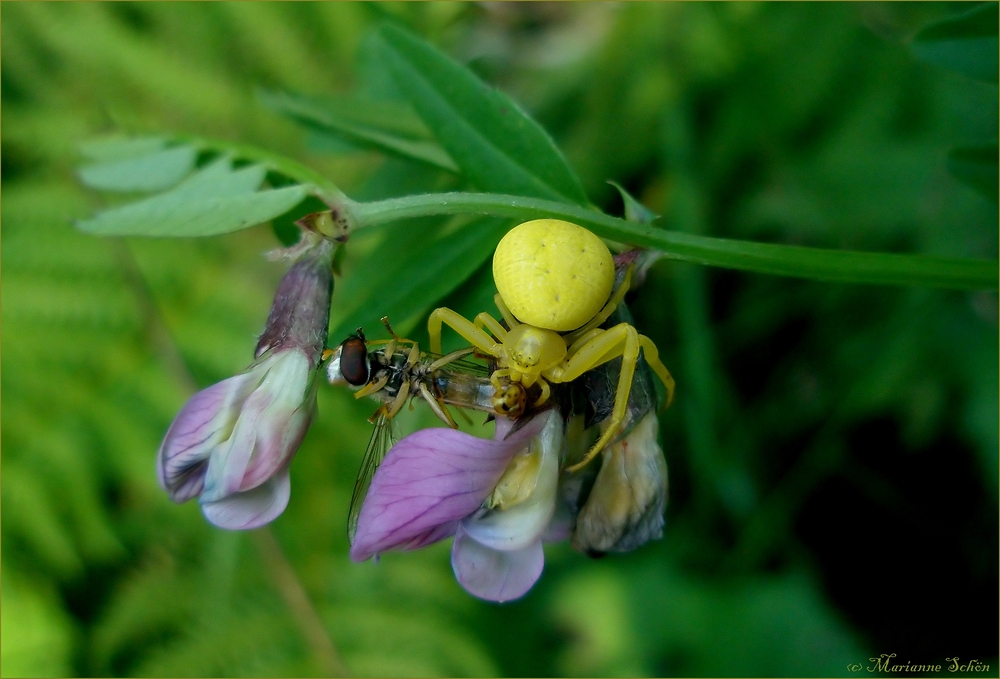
(354, 367)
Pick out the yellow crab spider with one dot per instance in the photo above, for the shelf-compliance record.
(555, 283)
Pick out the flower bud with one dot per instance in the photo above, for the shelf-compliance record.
(625, 507)
(231, 443)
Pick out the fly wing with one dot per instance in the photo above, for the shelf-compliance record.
(464, 366)
(380, 442)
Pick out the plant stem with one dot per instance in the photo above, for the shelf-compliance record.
(301, 608)
(782, 260)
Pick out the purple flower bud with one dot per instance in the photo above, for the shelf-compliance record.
(231, 443)
(300, 312)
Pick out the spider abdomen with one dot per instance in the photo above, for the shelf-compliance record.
(553, 274)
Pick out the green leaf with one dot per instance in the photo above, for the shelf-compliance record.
(272, 162)
(153, 172)
(219, 179)
(215, 200)
(496, 144)
(634, 210)
(107, 149)
(977, 166)
(385, 126)
(967, 43)
(409, 271)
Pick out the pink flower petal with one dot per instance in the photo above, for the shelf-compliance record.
(230, 458)
(272, 423)
(493, 574)
(206, 420)
(428, 480)
(251, 508)
(284, 425)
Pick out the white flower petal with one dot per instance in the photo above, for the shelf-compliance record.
(516, 527)
(251, 508)
(493, 574)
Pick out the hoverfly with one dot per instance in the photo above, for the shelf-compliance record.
(397, 371)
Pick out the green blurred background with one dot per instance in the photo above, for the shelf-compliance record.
(832, 451)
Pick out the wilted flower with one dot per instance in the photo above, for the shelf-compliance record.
(621, 508)
(495, 496)
(624, 509)
(231, 443)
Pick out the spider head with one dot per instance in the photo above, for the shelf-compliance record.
(531, 350)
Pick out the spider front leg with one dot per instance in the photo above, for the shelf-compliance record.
(469, 332)
(621, 340)
(484, 320)
(508, 317)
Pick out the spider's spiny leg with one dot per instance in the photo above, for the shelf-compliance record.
(652, 356)
(546, 392)
(484, 320)
(605, 312)
(603, 346)
(583, 339)
(505, 312)
(495, 378)
(622, 336)
(469, 332)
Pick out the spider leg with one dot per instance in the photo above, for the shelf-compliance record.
(583, 339)
(653, 359)
(484, 320)
(605, 312)
(505, 312)
(621, 340)
(546, 392)
(475, 336)
(495, 378)
(600, 348)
